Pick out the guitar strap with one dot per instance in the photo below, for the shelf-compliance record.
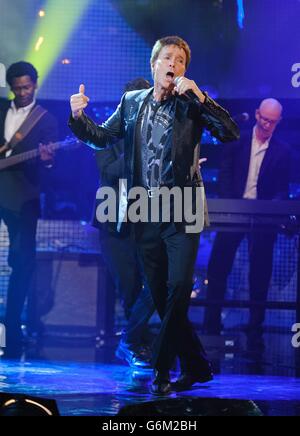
(30, 122)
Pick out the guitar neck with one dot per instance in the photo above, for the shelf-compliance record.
(22, 157)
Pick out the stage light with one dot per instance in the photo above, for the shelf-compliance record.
(241, 13)
(39, 43)
(51, 34)
(22, 405)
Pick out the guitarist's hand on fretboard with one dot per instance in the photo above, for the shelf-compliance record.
(3, 149)
(46, 152)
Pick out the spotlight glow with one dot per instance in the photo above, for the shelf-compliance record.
(56, 27)
(39, 43)
(240, 14)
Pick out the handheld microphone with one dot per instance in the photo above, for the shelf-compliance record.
(189, 94)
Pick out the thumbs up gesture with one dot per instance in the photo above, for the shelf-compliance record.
(79, 102)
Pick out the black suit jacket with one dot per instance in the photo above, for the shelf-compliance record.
(110, 163)
(20, 184)
(189, 121)
(274, 176)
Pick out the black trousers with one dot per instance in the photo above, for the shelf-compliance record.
(120, 255)
(168, 261)
(22, 259)
(225, 246)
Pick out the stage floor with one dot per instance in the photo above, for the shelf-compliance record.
(98, 385)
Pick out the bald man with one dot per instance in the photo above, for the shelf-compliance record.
(255, 167)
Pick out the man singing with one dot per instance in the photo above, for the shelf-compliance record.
(161, 128)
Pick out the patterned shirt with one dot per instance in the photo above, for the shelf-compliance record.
(155, 139)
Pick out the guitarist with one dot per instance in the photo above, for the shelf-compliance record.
(24, 125)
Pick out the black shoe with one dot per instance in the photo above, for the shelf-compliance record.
(132, 357)
(187, 380)
(161, 384)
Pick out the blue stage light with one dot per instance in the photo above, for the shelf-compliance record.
(240, 13)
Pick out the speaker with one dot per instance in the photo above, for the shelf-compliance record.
(193, 407)
(70, 292)
(24, 405)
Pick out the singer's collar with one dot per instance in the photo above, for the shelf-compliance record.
(163, 98)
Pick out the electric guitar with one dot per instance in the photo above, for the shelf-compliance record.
(32, 154)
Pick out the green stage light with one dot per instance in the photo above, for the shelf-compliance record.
(56, 22)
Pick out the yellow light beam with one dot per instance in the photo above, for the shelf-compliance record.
(39, 43)
(52, 32)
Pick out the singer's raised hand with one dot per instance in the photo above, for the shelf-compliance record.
(79, 102)
(183, 85)
(201, 161)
